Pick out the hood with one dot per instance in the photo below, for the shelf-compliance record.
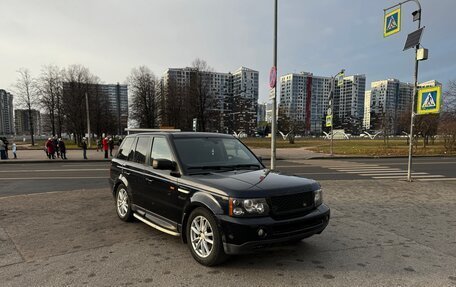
(256, 183)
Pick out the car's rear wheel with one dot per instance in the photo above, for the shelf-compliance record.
(123, 204)
(204, 238)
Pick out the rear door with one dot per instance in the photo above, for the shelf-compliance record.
(136, 165)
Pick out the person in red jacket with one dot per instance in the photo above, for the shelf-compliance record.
(105, 144)
(50, 149)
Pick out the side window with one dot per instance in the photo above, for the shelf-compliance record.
(125, 148)
(161, 149)
(141, 150)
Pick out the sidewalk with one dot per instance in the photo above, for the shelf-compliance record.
(93, 155)
(40, 156)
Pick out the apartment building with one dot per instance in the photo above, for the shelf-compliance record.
(231, 99)
(6, 113)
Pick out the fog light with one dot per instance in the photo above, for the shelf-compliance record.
(261, 232)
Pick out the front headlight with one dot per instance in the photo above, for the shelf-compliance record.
(241, 207)
(318, 197)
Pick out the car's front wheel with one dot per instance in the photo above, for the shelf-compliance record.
(123, 204)
(204, 238)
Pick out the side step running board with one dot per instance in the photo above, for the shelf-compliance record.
(151, 224)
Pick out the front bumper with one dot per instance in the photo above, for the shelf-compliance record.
(242, 234)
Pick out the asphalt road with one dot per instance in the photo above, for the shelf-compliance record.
(381, 233)
(63, 176)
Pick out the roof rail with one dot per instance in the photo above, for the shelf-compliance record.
(133, 131)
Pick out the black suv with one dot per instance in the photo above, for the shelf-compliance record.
(213, 192)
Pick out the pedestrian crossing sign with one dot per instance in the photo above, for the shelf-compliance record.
(392, 22)
(328, 121)
(429, 100)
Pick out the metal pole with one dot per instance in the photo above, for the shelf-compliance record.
(88, 119)
(332, 114)
(274, 99)
(412, 117)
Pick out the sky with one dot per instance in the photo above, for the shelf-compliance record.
(319, 36)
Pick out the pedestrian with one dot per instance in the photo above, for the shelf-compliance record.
(55, 142)
(62, 149)
(2, 149)
(50, 148)
(5, 141)
(111, 146)
(105, 147)
(98, 145)
(84, 147)
(14, 149)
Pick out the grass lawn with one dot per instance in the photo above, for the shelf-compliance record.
(359, 147)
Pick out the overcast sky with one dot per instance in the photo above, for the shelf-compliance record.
(319, 36)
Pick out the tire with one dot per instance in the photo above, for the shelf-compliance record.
(123, 204)
(201, 248)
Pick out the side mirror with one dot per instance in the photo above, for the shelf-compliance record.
(163, 164)
(260, 158)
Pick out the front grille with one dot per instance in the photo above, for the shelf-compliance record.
(291, 205)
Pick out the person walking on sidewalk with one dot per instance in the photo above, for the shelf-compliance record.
(50, 148)
(105, 147)
(111, 145)
(84, 147)
(14, 149)
(62, 149)
(2, 149)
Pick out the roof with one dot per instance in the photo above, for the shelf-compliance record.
(176, 134)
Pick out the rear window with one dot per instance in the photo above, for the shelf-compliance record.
(125, 148)
(141, 150)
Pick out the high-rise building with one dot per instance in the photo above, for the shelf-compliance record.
(261, 115)
(243, 102)
(349, 103)
(389, 100)
(367, 110)
(22, 122)
(231, 98)
(304, 100)
(117, 96)
(6, 113)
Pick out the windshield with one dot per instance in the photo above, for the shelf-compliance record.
(214, 153)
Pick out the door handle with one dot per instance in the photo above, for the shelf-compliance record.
(149, 180)
(126, 172)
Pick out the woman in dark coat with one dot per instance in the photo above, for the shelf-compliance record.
(62, 149)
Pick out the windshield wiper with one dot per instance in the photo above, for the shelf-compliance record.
(205, 167)
(243, 166)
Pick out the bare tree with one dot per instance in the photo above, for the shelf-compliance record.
(77, 79)
(205, 102)
(50, 90)
(142, 84)
(27, 96)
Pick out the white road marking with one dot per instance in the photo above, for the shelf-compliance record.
(393, 174)
(404, 176)
(372, 170)
(363, 168)
(439, 179)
